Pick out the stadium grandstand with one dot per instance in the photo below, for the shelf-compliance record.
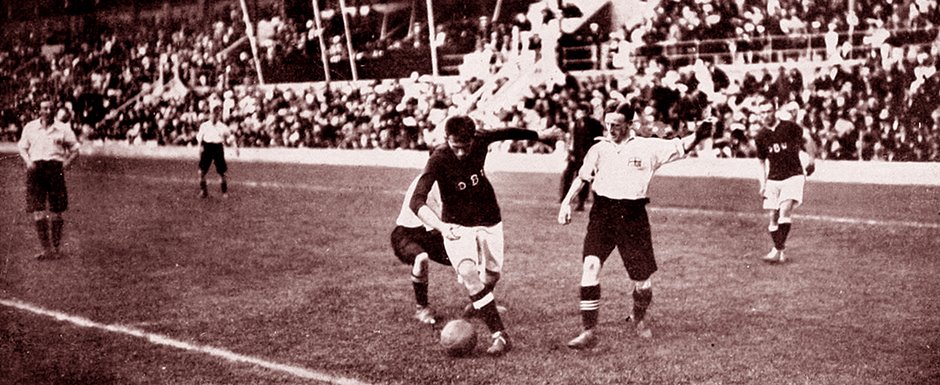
(382, 74)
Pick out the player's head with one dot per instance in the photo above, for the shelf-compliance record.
(216, 111)
(46, 110)
(459, 131)
(617, 120)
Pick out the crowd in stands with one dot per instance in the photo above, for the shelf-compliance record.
(153, 83)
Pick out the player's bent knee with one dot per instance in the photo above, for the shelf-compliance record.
(590, 271)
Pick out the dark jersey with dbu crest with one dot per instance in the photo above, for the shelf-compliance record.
(467, 197)
(781, 147)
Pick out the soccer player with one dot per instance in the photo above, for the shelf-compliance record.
(415, 243)
(782, 176)
(48, 148)
(470, 219)
(212, 136)
(621, 167)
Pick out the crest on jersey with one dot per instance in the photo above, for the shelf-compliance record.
(635, 162)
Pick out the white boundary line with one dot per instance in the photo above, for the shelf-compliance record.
(167, 341)
(674, 210)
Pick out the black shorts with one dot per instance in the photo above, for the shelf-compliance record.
(212, 152)
(621, 223)
(408, 242)
(46, 182)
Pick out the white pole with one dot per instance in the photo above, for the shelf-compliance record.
(432, 38)
(318, 24)
(250, 31)
(349, 46)
(499, 4)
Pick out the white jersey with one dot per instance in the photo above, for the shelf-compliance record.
(624, 171)
(52, 143)
(212, 132)
(407, 217)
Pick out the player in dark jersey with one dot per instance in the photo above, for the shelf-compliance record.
(470, 218)
(782, 175)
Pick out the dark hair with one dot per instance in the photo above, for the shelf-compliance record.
(623, 108)
(461, 128)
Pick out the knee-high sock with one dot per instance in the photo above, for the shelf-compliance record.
(641, 301)
(420, 285)
(490, 278)
(784, 231)
(775, 235)
(590, 305)
(42, 229)
(485, 302)
(57, 225)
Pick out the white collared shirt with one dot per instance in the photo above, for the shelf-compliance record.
(624, 171)
(212, 132)
(407, 216)
(52, 143)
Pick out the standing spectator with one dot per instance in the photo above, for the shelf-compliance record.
(48, 148)
(581, 137)
(212, 136)
(621, 167)
(782, 176)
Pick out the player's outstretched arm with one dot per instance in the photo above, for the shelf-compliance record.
(702, 132)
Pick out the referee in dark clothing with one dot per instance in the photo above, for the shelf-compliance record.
(48, 148)
(620, 168)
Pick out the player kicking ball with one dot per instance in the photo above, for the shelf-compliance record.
(782, 175)
(470, 218)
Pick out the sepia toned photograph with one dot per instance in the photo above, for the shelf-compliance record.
(424, 192)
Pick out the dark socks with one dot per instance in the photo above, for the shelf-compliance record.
(486, 304)
(784, 230)
(421, 291)
(641, 301)
(590, 305)
(42, 229)
(57, 224)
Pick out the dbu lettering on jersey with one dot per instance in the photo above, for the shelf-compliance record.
(474, 180)
(778, 147)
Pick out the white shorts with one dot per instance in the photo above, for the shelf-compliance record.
(483, 245)
(779, 191)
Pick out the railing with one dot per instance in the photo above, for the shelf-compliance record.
(766, 48)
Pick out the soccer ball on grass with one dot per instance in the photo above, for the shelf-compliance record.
(458, 338)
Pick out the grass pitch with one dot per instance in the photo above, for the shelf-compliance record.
(295, 268)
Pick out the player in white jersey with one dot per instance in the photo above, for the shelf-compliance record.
(621, 167)
(48, 148)
(415, 243)
(212, 136)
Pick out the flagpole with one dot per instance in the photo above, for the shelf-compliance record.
(250, 31)
(431, 37)
(318, 24)
(349, 45)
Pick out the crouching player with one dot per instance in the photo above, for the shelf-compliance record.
(415, 243)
